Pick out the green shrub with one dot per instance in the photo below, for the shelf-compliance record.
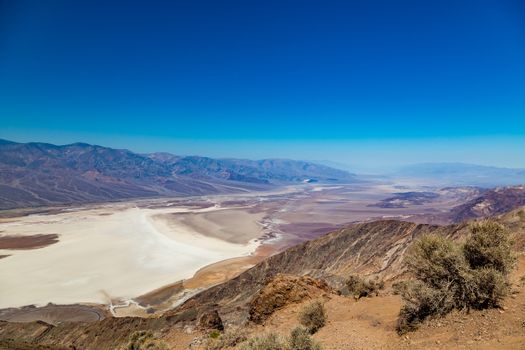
(215, 334)
(266, 341)
(313, 316)
(489, 245)
(300, 339)
(360, 287)
(144, 340)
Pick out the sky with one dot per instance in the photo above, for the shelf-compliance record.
(364, 83)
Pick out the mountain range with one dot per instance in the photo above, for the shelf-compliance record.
(36, 174)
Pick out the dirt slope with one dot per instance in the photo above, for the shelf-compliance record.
(370, 324)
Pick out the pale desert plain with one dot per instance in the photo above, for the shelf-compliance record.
(140, 257)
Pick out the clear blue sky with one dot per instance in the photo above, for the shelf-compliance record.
(359, 82)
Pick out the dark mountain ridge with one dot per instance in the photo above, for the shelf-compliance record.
(36, 174)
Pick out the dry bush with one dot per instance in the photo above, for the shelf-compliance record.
(144, 340)
(489, 287)
(300, 339)
(489, 246)
(421, 302)
(453, 276)
(313, 316)
(433, 259)
(361, 287)
(400, 287)
(228, 339)
(266, 341)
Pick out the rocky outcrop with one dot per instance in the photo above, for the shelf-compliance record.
(211, 320)
(284, 290)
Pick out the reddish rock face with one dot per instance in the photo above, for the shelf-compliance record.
(284, 290)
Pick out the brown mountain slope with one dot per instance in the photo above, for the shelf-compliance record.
(369, 248)
(490, 203)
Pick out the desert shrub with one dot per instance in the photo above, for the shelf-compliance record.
(313, 316)
(215, 334)
(489, 245)
(452, 276)
(422, 301)
(228, 339)
(489, 287)
(144, 340)
(399, 288)
(266, 341)
(434, 260)
(300, 339)
(361, 287)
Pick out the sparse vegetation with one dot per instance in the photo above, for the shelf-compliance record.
(489, 246)
(144, 340)
(215, 334)
(313, 316)
(453, 276)
(360, 287)
(230, 338)
(300, 339)
(266, 341)
(186, 315)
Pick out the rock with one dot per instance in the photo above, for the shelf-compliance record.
(284, 290)
(195, 343)
(211, 320)
(188, 329)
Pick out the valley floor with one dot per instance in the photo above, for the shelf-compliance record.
(146, 256)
